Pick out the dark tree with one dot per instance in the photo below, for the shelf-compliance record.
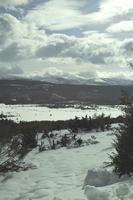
(122, 160)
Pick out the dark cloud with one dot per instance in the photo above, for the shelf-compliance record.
(128, 45)
(50, 51)
(7, 72)
(11, 53)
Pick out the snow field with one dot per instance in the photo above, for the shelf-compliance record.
(39, 113)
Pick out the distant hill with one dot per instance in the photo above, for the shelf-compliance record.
(40, 92)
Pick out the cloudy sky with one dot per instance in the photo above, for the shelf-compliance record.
(66, 38)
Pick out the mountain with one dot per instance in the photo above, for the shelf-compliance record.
(40, 92)
(117, 81)
(82, 80)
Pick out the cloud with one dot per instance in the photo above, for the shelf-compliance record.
(69, 14)
(13, 53)
(42, 36)
(127, 47)
(10, 3)
(123, 26)
(66, 14)
(7, 72)
(113, 8)
(55, 45)
(18, 40)
(11, 29)
(94, 48)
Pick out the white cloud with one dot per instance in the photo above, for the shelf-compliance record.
(18, 39)
(64, 14)
(10, 3)
(123, 26)
(113, 8)
(110, 9)
(11, 29)
(58, 15)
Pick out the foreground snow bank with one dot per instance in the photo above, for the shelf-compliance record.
(121, 191)
(104, 185)
(99, 178)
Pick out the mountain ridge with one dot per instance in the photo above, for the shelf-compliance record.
(27, 91)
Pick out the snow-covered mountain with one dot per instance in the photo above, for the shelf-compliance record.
(84, 81)
(117, 81)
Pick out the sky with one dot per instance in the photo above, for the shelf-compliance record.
(75, 39)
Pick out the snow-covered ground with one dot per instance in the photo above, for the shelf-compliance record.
(66, 174)
(39, 113)
(60, 175)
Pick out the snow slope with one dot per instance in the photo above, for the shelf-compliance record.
(39, 113)
(60, 175)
